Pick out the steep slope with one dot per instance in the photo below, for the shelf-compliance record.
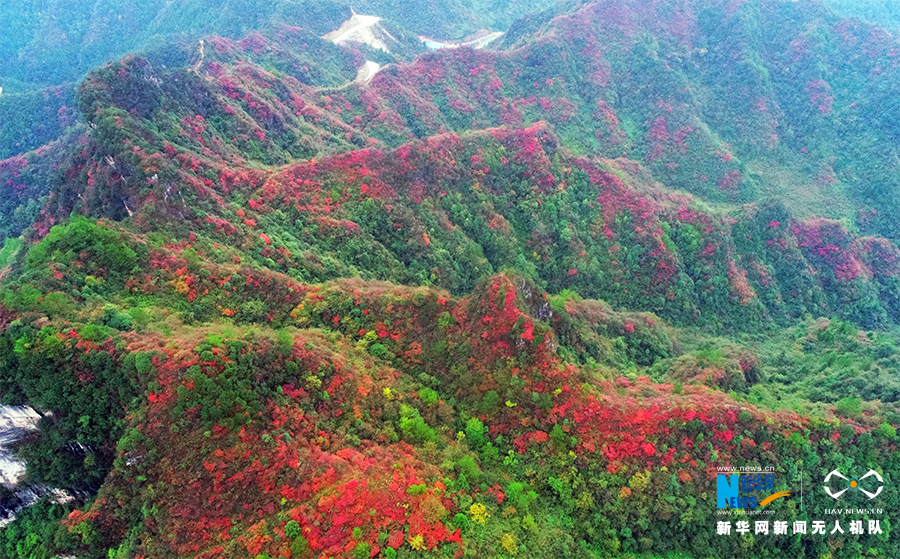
(879, 12)
(493, 303)
(451, 210)
(46, 47)
(406, 419)
(725, 104)
(212, 379)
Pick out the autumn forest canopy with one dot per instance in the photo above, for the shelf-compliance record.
(451, 279)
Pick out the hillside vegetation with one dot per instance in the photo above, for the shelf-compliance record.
(498, 303)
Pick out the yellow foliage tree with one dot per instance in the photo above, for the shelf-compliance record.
(509, 543)
(417, 542)
(479, 513)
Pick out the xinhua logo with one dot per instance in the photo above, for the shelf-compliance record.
(854, 484)
(746, 491)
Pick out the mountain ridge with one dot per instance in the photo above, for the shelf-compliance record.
(523, 302)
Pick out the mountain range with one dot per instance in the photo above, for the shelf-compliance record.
(520, 300)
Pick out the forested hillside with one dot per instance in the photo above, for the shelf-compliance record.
(520, 301)
(47, 47)
(880, 12)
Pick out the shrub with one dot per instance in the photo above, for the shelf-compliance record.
(445, 320)
(849, 406)
(490, 401)
(417, 489)
(96, 333)
(103, 251)
(253, 311)
(113, 318)
(362, 550)
(299, 547)
(57, 303)
(416, 542)
(475, 432)
(413, 427)
(479, 513)
(143, 362)
(378, 350)
(428, 396)
(508, 542)
(469, 468)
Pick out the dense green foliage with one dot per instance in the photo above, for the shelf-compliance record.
(494, 303)
(33, 529)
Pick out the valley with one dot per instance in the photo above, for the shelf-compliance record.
(306, 283)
